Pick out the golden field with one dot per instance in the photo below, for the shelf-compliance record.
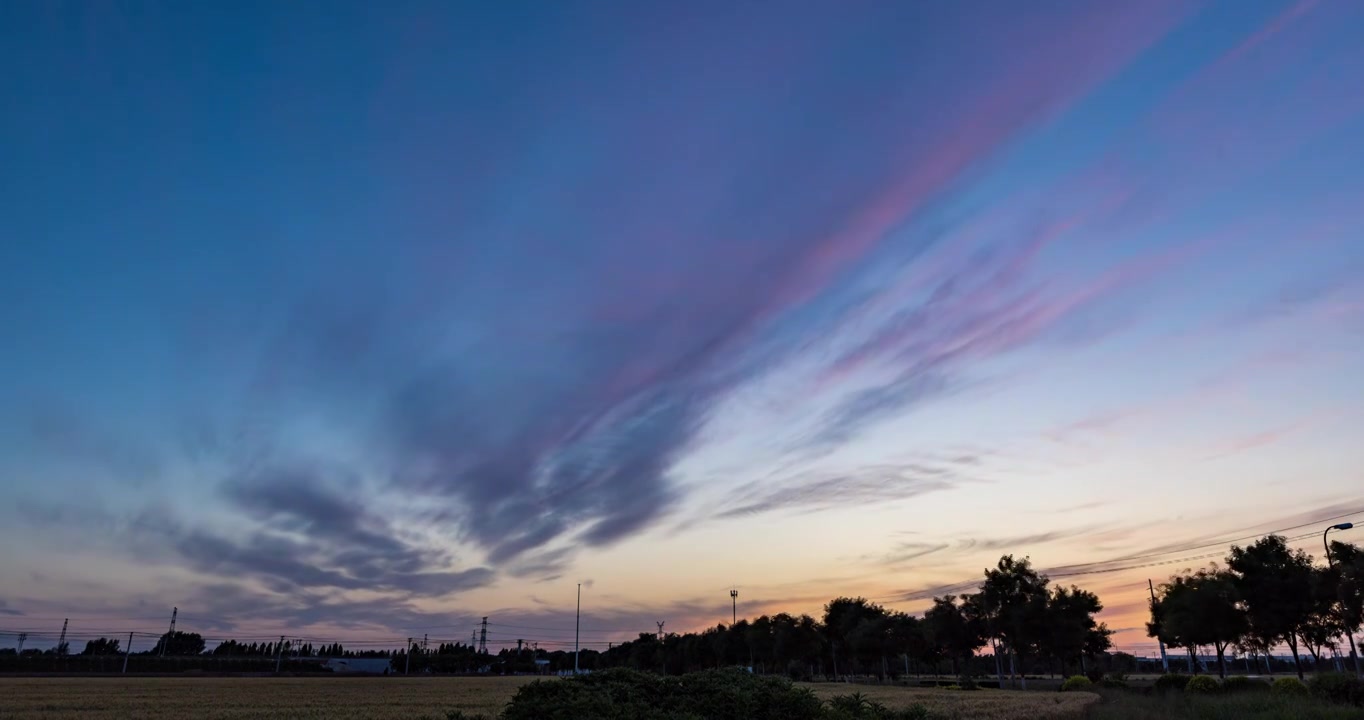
(163, 698)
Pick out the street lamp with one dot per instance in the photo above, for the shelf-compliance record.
(1340, 588)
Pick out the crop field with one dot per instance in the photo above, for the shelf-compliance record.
(221, 698)
(984, 704)
(410, 698)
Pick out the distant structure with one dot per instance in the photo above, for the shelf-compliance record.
(171, 632)
(734, 606)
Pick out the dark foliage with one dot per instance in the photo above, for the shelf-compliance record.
(1241, 683)
(1338, 687)
(1171, 681)
(631, 695)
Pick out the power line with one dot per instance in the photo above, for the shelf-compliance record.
(1074, 569)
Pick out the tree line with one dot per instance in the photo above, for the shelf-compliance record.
(1028, 624)
(1267, 595)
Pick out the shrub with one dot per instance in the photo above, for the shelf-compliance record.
(1171, 681)
(1290, 687)
(1202, 684)
(620, 694)
(858, 707)
(1095, 675)
(1338, 688)
(1114, 680)
(1241, 683)
(1076, 682)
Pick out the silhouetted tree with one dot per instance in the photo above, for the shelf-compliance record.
(1070, 630)
(1275, 583)
(1204, 608)
(953, 631)
(102, 646)
(1014, 601)
(179, 643)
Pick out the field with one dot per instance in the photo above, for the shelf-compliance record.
(984, 704)
(238, 697)
(409, 698)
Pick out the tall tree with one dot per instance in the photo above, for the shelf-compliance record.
(953, 631)
(102, 646)
(1014, 599)
(179, 643)
(1204, 608)
(1275, 585)
(1071, 629)
(1347, 567)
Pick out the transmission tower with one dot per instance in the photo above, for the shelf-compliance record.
(171, 632)
(61, 642)
(660, 631)
(483, 637)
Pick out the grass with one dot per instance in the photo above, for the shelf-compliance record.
(232, 698)
(983, 704)
(243, 697)
(1128, 705)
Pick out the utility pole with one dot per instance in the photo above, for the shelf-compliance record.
(483, 637)
(128, 651)
(61, 641)
(577, 619)
(1164, 661)
(279, 654)
(407, 662)
(734, 606)
(171, 632)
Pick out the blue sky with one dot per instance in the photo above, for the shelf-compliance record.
(374, 319)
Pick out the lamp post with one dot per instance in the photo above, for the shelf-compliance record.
(1340, 589)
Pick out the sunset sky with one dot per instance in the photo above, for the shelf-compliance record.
(367, 320)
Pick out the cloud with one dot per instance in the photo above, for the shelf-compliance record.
(905, 551)
(815, 491)
(304, 535)
(59, 431)
(1020, 544)
(533, 370)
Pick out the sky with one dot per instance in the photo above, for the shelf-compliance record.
(366, 320)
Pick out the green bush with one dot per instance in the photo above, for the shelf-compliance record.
(621, 694)
(1290, 687)
(1114, 680)
(1204, 684)
(1171, 681)
(1076, 682)
(1338, 688)
(1241, 683)
(858, 707)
